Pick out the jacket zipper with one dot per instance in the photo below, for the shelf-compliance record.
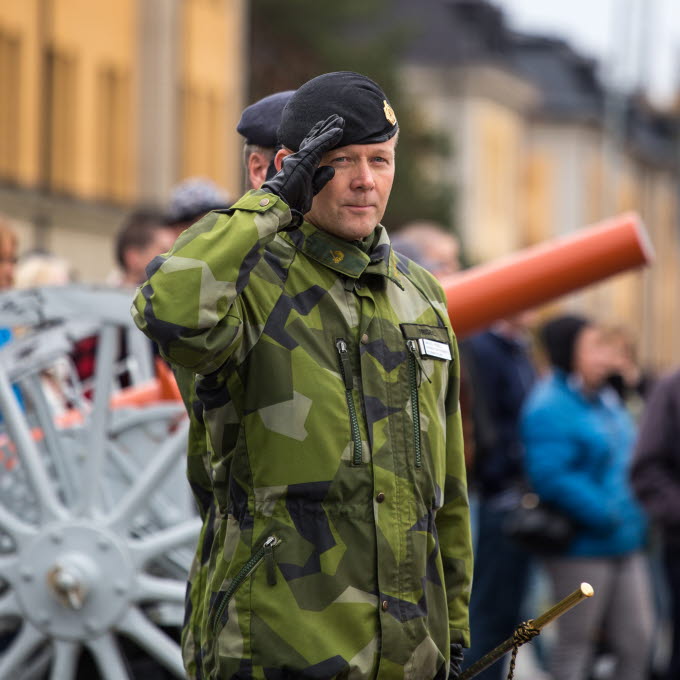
(346, 370)
(413, 365)
(266, 553)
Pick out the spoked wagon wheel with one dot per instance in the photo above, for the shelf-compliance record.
(96, 526)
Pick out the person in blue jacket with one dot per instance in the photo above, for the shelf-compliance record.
(578, 440)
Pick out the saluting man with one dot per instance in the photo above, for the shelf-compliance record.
(327, 373)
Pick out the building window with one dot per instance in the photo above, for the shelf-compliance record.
(62, 120)
(114, 134)
(10, 101)
(203, 143)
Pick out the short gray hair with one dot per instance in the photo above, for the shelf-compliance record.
(250, 149)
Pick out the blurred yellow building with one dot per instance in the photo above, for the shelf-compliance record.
(105, 105)
(541, 149)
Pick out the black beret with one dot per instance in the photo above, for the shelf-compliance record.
(559, 339)
(369, 118)
(260, 120)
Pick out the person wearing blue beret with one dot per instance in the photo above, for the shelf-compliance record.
(258, 125)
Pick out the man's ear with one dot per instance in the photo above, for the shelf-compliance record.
(280, 155)
(257, 169)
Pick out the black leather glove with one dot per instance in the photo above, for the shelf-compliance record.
(300, 177)
(456, 661)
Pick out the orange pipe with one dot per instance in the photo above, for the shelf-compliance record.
(481, 295)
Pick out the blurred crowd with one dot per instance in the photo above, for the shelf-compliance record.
(558, 409)
(555, 408)
(566, 435)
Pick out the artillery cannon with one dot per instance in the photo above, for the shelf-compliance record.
(97, 526)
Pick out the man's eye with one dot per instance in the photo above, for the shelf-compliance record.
(380, 159)
(340, 159)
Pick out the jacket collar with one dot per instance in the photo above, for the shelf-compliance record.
(346, 257)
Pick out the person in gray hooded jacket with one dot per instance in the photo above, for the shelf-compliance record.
(656, 481)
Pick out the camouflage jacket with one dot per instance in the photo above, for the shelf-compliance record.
(336, 539)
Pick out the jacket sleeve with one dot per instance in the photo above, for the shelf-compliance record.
(550, 456)
(190, 304)
(655, 473)
(198, 470)
(453, 518)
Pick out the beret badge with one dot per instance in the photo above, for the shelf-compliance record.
(389, 113)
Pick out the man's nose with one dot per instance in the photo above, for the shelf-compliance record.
(363, 176)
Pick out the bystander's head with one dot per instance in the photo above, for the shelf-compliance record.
(142, 237)
(579, 347)
(190, 200)
(40, 268)
(258, 125)
(430, 245)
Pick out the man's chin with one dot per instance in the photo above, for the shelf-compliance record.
(356, 232)
(352, 229)
(363, 224)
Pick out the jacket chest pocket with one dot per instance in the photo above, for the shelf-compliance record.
(429, 354)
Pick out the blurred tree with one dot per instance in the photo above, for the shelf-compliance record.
(293, 41)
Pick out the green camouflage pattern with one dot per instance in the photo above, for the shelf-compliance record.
(198, 473)
(325, 450)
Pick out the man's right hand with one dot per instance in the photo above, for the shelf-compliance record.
(300, 177)
(456, 661)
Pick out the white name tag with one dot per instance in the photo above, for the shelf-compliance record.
(434, 349)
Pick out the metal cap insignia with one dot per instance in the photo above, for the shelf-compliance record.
(389, 112)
